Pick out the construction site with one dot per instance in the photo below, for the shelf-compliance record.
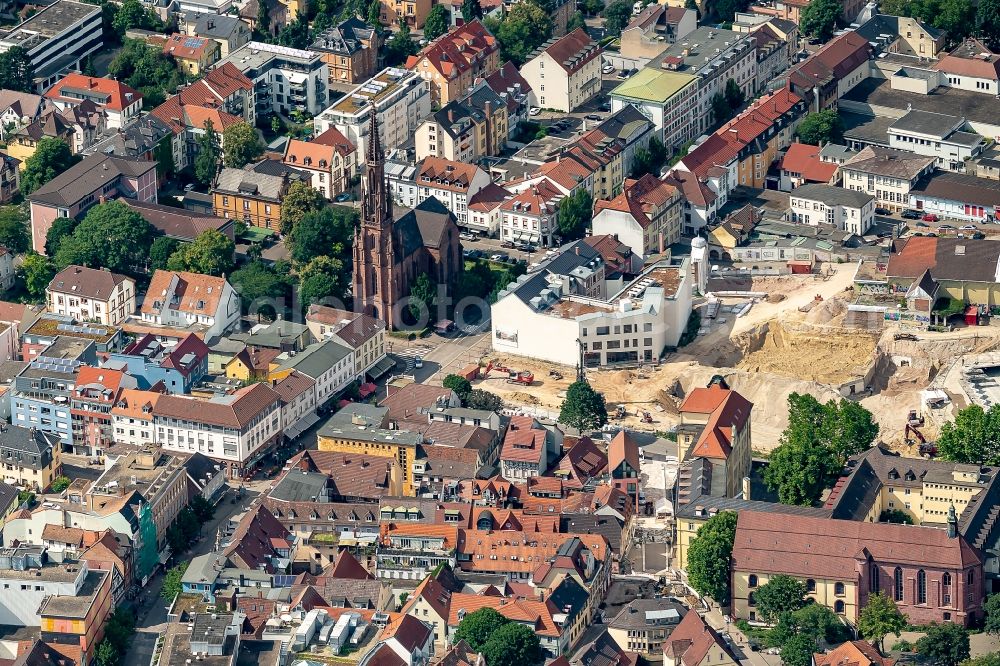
(795, 334)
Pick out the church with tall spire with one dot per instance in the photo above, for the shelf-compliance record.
(391, 253)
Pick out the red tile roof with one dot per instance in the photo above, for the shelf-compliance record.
(853, 653)
(803, 158)
(333, 137)
(727, 410)
(691, 640)
(623, 448)
(576, 45)
(488, 198)
(117, 94)
(460, 49)
(640, 198)
(440, 173)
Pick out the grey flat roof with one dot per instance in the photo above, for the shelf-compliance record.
(832, 195)
(972, 106)
(866, 129)
(931, 123)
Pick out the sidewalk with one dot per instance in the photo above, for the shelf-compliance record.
(738, 642)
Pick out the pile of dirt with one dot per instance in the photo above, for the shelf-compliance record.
(827, 311)
(775, 298)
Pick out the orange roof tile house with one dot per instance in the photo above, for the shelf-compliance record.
(452, 62)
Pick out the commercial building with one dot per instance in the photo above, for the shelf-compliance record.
(849, 210)
(961, 269)
(401, 100)
(886, 173)
(957, 196)
(451, 183)
(668, 98)
(95, 393)
(284, 79)
(329, 363)
(565, 73)
(532, 215)
(57, 39)
(90, 294)
(565, 305)
(95, 179)
(363, 334)
(451, 63)
(936, 135)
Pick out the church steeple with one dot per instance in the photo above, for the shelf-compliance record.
(376, 207)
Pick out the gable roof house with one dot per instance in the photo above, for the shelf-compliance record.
(200, 303)
(646, 216)
(573, 66)
(831, 72)
(452, 62)
(330, 158)
(121, 103)
(694, 643)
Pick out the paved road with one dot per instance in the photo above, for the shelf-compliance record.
(151, 610)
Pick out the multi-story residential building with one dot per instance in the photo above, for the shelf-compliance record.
(451, 183)
(532, 215)
(411, 552)
(485, 214)
(695, 643)
(41, 393)
(29, 458)
(565, 73)
(44, 331)
(50, 125)
(10, 180)
(159, 476)
(132, 417)
(515, 91)
(285, 79)
(652, 29)
(236, 430)
(411, 12)
(936, 135)
(91, 294)
(830, 73)
(667, 98)
(400, 98)
(886, 173)
(187, 124)
(183, 300)
(361, 333)
(774, 55)
(643, 624)
(109, 554)
(465, 130)
(349, 49)
(526, 448)
(180, 223)
(330, 158)
(623, 466)
(545, 315)
(95, 179)
(179, 367)
(933, 574)
(852, 211)
(646, 216)
(250, 196)
(451, 63)
(19, 108)
(57, 40)
(228, 32)
(119, 102)
(95, 393)
(329, 363)
(193, 54)
(714, 432)
(298, 403)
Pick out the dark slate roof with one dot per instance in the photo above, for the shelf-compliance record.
(588, 523)
(344, 38)
(298, 486)
(569, 594)
(979, 518)
(8, 496)
(217, 26)
(87, 176)
(134, 140)
(199, 466)
(528, 286)
(736, 504)
(633, 615)
(424, 226)
(28, 440)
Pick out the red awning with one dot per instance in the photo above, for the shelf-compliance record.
(367, 389)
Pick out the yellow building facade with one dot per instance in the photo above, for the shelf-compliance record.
(399, 445)
(838, 595)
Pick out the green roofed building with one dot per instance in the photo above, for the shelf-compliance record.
(667, 98)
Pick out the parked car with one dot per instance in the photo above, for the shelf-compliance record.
(910, 214)
(343, 196)
(534, 111)
(418, 362)
(593, 116)
(931, 217)
(507, 244)
(968, 227)
(623, 74)
(496, 257)
(608, 69)
(979, 235)
(605, 106)
(883, 211)
(931, 234)
(921, 224)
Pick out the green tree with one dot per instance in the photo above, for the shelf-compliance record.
(460, 385)
(60, 483)
(211, 253)
(649, 160)
(111, 236)
(15, 234)
(423, 296)
(945, 644)
(471, 10)
(148, 70)
(575, 214)
(957, 17)
(132, 14)
(852, 429)
(991, 659)
(51, 158)
(780, 594)
(822, 127)
(322, 278)
(106, 654)
(576, 21)
(160, 251)
(436, 23)
(820, 623)
(172, 582)
(60, 229)
(991, 609)
(202, 508)
(973, 438)
(259, 286)
(513, 644)
(734, 95)
(375, 15)
(720, 109)
(726, 10)
(400, 47)
(16, 70)
(879, 618)
(328, 231)
(709, 554)
(525, 27)
(895, 516)
(477, 627)
(480, 399)
(798, 650)
(583, 408)
(797, 470)
(37, 272)
(988, 22)
(263, 28)
(616, 16)
(241, 145)
(206, 162)
(819, 18)
(300, 200)
(296, 33)
(592, 7)
(119, 628)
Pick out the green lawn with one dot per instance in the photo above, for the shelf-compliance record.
(255, 234)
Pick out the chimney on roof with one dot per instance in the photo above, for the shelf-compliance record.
(952, 522)
(451, 115)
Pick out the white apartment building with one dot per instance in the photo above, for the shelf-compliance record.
(285, 79)
(485, 213)
(532, 215)
(451, 183)
(543, 315)
(235, 430)
(646, 216)
(667, 98)
(91, 295)
(132, 417)
(329, 363)
(936, 135)
(24, 590)
(58, 38)
(356, 330)
(298, 403)
(565, 73)
(401, 101)
(849, 210)
(193, 301)
(886, 173)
